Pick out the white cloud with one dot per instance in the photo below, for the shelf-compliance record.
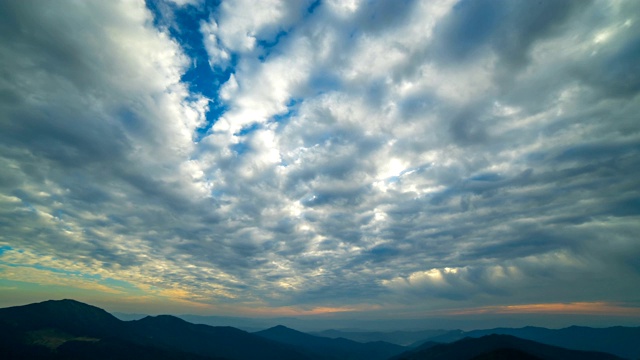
(358, 154)
(240, 24)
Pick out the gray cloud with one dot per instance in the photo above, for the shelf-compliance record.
(424, 156)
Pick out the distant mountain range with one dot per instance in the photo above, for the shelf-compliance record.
(326, 348)
(618, 340)
(68, 329)
(405, 338)
(499, 347)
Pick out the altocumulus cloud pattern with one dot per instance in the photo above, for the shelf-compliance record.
(318, 156)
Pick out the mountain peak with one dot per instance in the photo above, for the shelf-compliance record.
(328, 348)
(65, 301)
(66, 307)
(281, 330)
(69, 315)
(281, 327)
(164, 319)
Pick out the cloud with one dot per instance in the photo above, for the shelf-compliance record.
(342, 155)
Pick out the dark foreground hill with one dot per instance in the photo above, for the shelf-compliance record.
(326, 348)
(68, 329)
(499, 347)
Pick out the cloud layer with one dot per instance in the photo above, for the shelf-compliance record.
(411, 156)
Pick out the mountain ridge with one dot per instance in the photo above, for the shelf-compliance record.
(339, 348)
(69, 329)
(491, 346)
(618, 340)
(163, 336)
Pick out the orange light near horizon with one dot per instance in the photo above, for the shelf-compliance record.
(585, 308)
(295, 311)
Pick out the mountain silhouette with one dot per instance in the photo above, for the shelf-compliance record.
(619, 340)
(70, 316)
(326, 348)
(68, 329)
(405, 338)
(171, 332)
(500, 347)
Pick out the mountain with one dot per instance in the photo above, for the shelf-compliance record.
(500, 347)
(69, 329)
(246, 324)
(174, 333)
(69, 316)
(307, 323)
(404, 338)
(449, 336)
(326, 348)
(619, 340)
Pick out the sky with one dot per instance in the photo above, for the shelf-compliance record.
(333, 158)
